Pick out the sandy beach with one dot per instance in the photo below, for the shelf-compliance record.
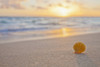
(54, 52)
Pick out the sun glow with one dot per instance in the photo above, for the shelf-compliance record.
(61, 11)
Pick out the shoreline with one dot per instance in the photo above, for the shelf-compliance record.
(47, 37)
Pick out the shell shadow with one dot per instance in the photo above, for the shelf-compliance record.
(84, 61)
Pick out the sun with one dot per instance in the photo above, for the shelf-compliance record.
(60, 11)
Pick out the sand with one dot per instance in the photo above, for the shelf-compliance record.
(56, 52)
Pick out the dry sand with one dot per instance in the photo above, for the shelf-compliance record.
(56, 52)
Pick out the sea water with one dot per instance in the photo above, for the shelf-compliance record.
(16, 28)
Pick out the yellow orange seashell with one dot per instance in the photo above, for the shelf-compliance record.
(79, 47)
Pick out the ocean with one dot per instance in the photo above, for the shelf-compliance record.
(23, 28)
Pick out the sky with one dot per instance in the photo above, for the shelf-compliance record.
(52, 8)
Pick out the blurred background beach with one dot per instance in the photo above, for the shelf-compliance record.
(38, 19)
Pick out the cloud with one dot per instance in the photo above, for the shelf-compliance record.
(96, 8)
(68, 1)
(39, 4)
(11, 4)
(41, 7)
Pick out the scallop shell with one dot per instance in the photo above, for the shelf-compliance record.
(79, 47)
